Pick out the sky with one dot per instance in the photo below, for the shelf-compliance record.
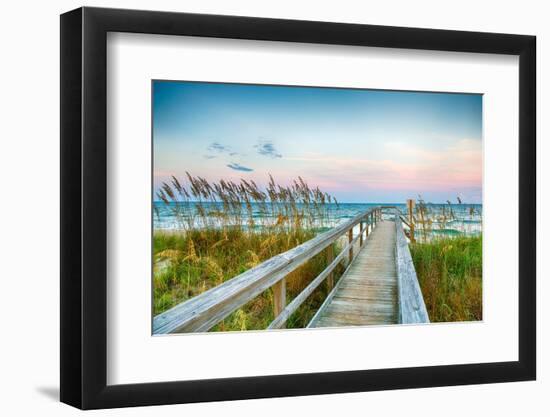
(361, 146)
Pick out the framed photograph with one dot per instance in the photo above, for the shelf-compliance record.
(257, 208)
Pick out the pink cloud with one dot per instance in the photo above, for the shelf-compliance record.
(413, 169)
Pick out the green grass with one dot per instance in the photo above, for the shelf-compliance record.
(450, 275)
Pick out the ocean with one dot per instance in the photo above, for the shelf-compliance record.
(466, 218)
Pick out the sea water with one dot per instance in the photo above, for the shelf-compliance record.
(459, 219)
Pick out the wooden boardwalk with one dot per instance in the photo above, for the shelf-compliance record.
(367, 293)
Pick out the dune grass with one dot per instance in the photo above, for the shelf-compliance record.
(226, 228)
(450, 275)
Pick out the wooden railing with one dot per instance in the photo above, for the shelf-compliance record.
(411, 306)
(204, 311)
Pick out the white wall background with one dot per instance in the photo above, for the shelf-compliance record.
(29, 213)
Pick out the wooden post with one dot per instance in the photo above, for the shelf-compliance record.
(361, 233)
(367, 223)
(350, 238)
(330, 258)
(279, 297)
(410, 208)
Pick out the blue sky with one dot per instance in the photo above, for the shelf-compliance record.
(358, 145)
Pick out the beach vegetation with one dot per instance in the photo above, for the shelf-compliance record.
(449, 272)
(225, 228)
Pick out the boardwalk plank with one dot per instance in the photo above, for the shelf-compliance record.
(367, 293)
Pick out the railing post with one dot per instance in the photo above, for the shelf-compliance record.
(350, 238)
(361, 233)
(367, 223)
(279, 297)
(410, 208)
(330, 258)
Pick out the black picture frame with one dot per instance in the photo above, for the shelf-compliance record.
(84, 207)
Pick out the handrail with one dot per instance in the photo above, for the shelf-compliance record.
(202, 312)
(410, 300)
